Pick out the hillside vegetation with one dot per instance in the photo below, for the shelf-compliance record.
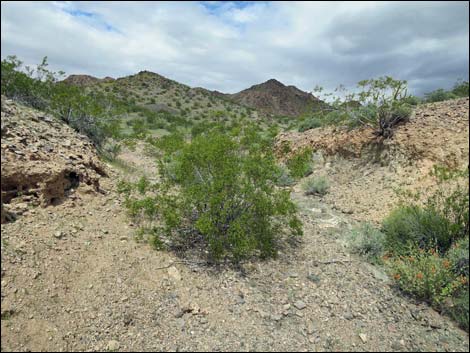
(141, 214)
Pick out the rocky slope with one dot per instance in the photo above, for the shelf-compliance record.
(365, 173)
(274, 98)
(150, 89)
(158, 93)
(43, 160)
(75, 279)
(86, 80)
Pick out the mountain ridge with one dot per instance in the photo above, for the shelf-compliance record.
(272, 97)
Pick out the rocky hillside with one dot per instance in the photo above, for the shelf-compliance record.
(275, 98)
(158, 93)
(365, 172)
(43, 161)
(86, 80)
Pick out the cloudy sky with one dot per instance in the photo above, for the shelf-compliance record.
(230, 46)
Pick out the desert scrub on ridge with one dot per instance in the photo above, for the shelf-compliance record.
(220, 197)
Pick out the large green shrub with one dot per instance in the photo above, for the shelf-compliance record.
(221, 197)
(460, 89)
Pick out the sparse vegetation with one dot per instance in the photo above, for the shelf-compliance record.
(316, 186)
(460, 90)
(428, 246)
(93, 114)
(367, 241)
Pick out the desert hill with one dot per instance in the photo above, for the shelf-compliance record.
(275, 98)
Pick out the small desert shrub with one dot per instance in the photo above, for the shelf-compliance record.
(284, 178)
(366, 241)
(308, 124)
(300, 165)
(318, 185)
(426, 275)
(439, 95)
(412, 226)
(458, 255)
(111, 150)
(459, 310)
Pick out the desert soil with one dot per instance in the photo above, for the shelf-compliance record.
(74, 278)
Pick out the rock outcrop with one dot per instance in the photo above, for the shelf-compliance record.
(43, 160)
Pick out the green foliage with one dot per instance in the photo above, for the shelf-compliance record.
(169, 144)
(284, 178)
(439, 95)
(316, 186)
(426, 275)
(300, 164)
(460, 89)
(142, 185)
(367, 241)
(459, 310)
(93, 114)
(111, 150)
(430, 247)
(221, 197)
(309, 124)
(458, 255)
(408, 227)
(381, 103)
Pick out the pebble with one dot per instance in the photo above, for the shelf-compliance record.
(113, 345)
(299, 304)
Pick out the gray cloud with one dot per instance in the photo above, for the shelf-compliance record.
(230, 46)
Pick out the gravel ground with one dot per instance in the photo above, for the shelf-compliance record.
(75, 279)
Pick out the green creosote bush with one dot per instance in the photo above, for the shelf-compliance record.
(316, 186)
(221, 198)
